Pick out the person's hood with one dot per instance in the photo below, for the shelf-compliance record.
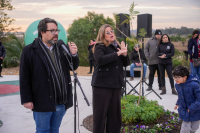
(192, 78)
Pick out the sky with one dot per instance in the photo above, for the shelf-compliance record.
(165, 13)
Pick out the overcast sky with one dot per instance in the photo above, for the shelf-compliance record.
(166, 13)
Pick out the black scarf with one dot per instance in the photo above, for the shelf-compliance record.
(57, 77)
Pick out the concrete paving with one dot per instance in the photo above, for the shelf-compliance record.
(17, 119)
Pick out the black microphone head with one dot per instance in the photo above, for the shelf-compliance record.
(60, 42)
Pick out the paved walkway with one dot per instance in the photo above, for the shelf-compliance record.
(17, 119)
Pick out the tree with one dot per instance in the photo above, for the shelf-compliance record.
(182, 30)
(129, 18)
(84, 29)
(183, 40)
(14, 48)
(142, 32)
(5, 21)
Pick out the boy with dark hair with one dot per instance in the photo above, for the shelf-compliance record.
(188, 102)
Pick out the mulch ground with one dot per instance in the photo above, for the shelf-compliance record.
(88, 124)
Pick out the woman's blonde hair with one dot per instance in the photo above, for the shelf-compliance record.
(101, 36)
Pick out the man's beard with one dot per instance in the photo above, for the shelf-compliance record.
(52, 42)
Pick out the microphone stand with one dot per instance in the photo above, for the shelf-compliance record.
(141, 81)
(79, 84)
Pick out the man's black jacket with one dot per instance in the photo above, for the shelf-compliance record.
(2, 50)
(135, 56)
(35, 85)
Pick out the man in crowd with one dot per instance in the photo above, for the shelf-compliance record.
(136, 61)
(2, 56)
(150, 53)
(45, 77)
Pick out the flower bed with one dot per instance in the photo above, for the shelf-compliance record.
(149, 117)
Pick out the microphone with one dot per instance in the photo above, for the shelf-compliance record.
(62, 44)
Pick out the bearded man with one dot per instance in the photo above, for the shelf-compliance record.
(45, 77)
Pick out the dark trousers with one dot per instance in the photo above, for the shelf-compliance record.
(106, 109)
(1, 62)
(91, 62)
(168, 68)
(153, 69)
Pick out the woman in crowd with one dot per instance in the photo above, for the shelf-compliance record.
(165, 51)
(108, 80)
(194, 52)
(90, 56)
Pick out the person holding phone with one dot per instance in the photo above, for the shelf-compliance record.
(165, 52)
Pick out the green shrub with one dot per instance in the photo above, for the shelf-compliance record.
(176, 62)
(147, 112)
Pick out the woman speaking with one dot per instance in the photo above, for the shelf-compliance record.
(108, 80)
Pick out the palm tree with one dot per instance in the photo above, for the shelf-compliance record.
(14, 47)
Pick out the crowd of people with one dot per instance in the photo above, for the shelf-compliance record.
(107, 79)
(194, 52)
(50, 94)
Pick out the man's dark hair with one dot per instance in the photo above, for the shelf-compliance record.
(195, 32)
(181, 71)
(42, 26)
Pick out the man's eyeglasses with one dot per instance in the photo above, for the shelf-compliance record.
(177, 78)
(53, 31)
(112, 31)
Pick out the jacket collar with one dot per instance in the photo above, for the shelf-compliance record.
(35, 43)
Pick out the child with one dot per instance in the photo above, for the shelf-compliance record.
(188, 102)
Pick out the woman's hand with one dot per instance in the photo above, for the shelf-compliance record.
(163, 56)
(123, 51)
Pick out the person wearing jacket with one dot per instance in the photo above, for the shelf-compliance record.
(90, 56)
(136, 62)
(194, 36)
(2, 56)
(194, 52)
(165, 52)
(108, 80)
(188, 102)
(150, 53)
(45, 77)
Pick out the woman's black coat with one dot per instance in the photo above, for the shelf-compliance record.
(90, 56)
(108, 70)
(35, 85)
(168, 50)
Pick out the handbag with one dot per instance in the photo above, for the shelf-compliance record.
(196, 62)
